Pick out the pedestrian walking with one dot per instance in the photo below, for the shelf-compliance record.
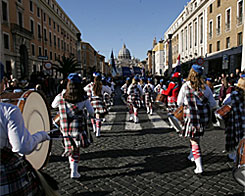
(235, 120)
(71, 103)
(148, 91)
(135, 94)
(196, 97)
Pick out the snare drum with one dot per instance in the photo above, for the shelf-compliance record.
(221, 114)
(37, 117)
(239, 171)
(176, 118)
(160, 98)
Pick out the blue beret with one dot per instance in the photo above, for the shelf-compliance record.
(136, 77)
(161, 80)
(209, 79)
(98, 75)
(149, 79)
(198, 69)
(243, 76)
(128, 78)
(103, 78)
(74, 77)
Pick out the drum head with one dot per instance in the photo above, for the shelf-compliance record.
(37, 118)
(175, 123)
(239, 175)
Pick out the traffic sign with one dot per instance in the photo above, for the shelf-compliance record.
(48, 65)
(42, 57)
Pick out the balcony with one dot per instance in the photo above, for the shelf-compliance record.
(17, 29)
(227, 26)
(218, 31)
(239, 20)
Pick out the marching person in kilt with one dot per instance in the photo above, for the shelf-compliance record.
(135, 94)
(142, 85)
(71, 103)
(112, 86)
(149, 93)
(196, 97)
(235, 120)
(124, 89)
(161, 86)
(106, 95)
(172, 91)
(98, 90)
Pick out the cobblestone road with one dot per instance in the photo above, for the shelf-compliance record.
(144, 159)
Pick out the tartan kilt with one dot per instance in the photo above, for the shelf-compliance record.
(134, 100)
(17, 176)
(188, 130)
(172, 104)
(97, 104)
(148, 99)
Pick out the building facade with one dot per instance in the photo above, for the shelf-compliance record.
(34, 32)
(210, 30)
(159, 55)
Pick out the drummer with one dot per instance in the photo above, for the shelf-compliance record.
(148, 90)
(161, 86)
(196, 97)
(71, 103)
(17, 174)
(234, 123)
(172, 91)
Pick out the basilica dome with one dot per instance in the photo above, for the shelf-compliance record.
(124, 53)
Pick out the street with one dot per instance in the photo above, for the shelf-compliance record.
(147, 158)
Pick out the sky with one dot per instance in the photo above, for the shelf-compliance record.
(108, 24)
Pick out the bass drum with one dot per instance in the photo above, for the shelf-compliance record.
(36, 114)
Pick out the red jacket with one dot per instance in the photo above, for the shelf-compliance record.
(172, 91)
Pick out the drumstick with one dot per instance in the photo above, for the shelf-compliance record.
(52, 130)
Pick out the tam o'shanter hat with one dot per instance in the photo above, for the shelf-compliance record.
(74, 77)
(198, 69)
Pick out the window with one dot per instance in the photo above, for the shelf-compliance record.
(19, 1)
(58, 42)
(50, 38)
(32, 26)
(228, 42)
(239, 12)
(51, 55)
(39, 30)
(49, 21)
(210, 48)
(195, 30)
(218, 23)
(45, 52)
(33, 49)
(182, 40)
(211, 8)
(210, 29)
(218, 3)
(228, 19)
(44, 16)
(218, 45)
(62, 44)
(54, 24)
(58, 28)
(39, 51)
(186, 38)
(31, 6)
(190, 35)
(55, 40)
(38, 12)
(239, 39)
(4, 11)
(55, 56)
(6, 40)
(20, 19)
(45, 34)
(201, 30)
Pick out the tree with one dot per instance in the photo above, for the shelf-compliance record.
(67, 65)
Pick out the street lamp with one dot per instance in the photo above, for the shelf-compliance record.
(170, 54)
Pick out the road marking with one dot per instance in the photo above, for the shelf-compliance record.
(131, 125)
(157, 121)
(107, 125)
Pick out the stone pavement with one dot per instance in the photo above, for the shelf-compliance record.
(144, 159)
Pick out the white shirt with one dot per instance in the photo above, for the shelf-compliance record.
(13, 133)
(81, 105)
(139, 87)
(207, 93)
(151, 86)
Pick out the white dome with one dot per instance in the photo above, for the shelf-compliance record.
(124, 53)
